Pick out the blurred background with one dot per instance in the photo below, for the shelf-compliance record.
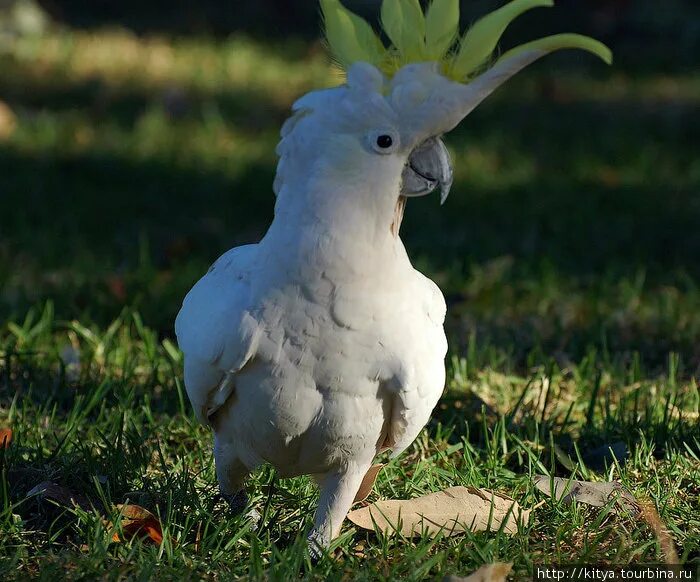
(137, 144)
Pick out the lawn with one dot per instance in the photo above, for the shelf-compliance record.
(569, 253)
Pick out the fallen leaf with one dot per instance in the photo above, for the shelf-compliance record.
(8, 121)
(489, 573)
(451, 511)
(367, 483)
(5, 437)
(60, 495)
(137, 521)
(595, 494)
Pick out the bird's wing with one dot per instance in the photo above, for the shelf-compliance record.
(215, 331)
(421, 379)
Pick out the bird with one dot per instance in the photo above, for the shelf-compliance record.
(321, 345)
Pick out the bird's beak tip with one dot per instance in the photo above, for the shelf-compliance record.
(444, 193)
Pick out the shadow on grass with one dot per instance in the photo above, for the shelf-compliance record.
(73, 224)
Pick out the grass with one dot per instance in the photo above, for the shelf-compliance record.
(568, 254)
(117, 428)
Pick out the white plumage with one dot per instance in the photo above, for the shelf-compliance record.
(321, 345)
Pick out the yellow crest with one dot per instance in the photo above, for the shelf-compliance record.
(416, 36)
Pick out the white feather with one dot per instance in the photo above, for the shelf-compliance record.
(315, 348)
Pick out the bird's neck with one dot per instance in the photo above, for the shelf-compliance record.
(353, 234)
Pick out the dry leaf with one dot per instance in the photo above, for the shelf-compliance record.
(451, 511)
(8, 121)
(489, 573)
(595, 494)
(367, 483)
(137, 521)
(5, 437)
(60, 495)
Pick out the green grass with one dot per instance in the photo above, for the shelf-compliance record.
(568, 253)
(118, 429)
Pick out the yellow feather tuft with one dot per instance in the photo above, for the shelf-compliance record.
(404, 23)
(350, 38)
(441, 28)
(480, 41)
(416, 37)
(564, 41)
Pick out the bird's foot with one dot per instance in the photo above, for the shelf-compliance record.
(318, 543)
(238, 502)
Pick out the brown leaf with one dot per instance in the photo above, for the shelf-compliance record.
(60, 495)
(137, 521)
(595, 494)
(8, 121)
(367, 483)
(451, 511)
(5, 437)
(489, 573)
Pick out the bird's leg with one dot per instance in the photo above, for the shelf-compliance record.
(338, 491)
(232, 473)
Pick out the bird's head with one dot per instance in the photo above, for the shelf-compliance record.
(377, 138)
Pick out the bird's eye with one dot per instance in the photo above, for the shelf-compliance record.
(385, 141)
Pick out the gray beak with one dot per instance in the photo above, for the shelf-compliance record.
(428, 167)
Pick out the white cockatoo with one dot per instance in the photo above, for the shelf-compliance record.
(321, 345)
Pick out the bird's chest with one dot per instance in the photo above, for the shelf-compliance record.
(320, 384)
(339, 338)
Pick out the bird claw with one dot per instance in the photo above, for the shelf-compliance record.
(318, 544)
